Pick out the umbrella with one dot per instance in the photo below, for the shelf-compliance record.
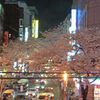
(8, 91)
(23, 81)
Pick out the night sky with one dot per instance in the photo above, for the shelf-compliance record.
(51, 12)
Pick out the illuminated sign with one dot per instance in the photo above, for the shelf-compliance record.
(97, 92)
(0, 8)
(26, 34)
(35, 26)
(72, 29)
(21, 33)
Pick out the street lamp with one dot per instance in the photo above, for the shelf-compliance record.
(65, 79)
(65, 75)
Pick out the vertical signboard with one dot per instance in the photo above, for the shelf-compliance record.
(72, 29)
(35, 26)
(97, 92)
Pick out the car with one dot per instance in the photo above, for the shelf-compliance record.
(49, 92)
(31, 91)
(9, 93)
(43, 97)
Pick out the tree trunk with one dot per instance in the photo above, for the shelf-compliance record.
(1, 88)
(84, 91)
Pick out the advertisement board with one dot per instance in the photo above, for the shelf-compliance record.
(97, 92)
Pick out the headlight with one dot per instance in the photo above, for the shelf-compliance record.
(26, 93)
(33, 94)
(52, 95)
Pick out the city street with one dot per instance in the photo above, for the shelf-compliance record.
(49, 50)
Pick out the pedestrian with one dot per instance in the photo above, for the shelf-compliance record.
(29, 97)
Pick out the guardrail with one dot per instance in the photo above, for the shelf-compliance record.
(50, 75)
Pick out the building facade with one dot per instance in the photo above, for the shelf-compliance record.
(87, 13)
(87, 16)
(18, 19)
(81, 13)
(93, 14)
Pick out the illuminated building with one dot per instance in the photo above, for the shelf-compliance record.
(72, 28)
(87, 16)
(87, 13)
(20, 17)
(11, 18)
(80, 6)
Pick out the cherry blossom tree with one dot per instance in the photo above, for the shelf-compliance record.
(48, 43)
(54, 45)
(56, 51)
(86, 58)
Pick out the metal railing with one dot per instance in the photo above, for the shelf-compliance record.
(47, 75)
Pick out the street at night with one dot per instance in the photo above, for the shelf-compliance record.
(49, 50)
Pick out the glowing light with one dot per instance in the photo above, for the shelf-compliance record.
(65, 76)
(21, 36)
(37, 80)
(26, 34)
(1, 9)
(72, 29)
(96, 82)
(35, 28)
(15, 65)
(97, 92)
